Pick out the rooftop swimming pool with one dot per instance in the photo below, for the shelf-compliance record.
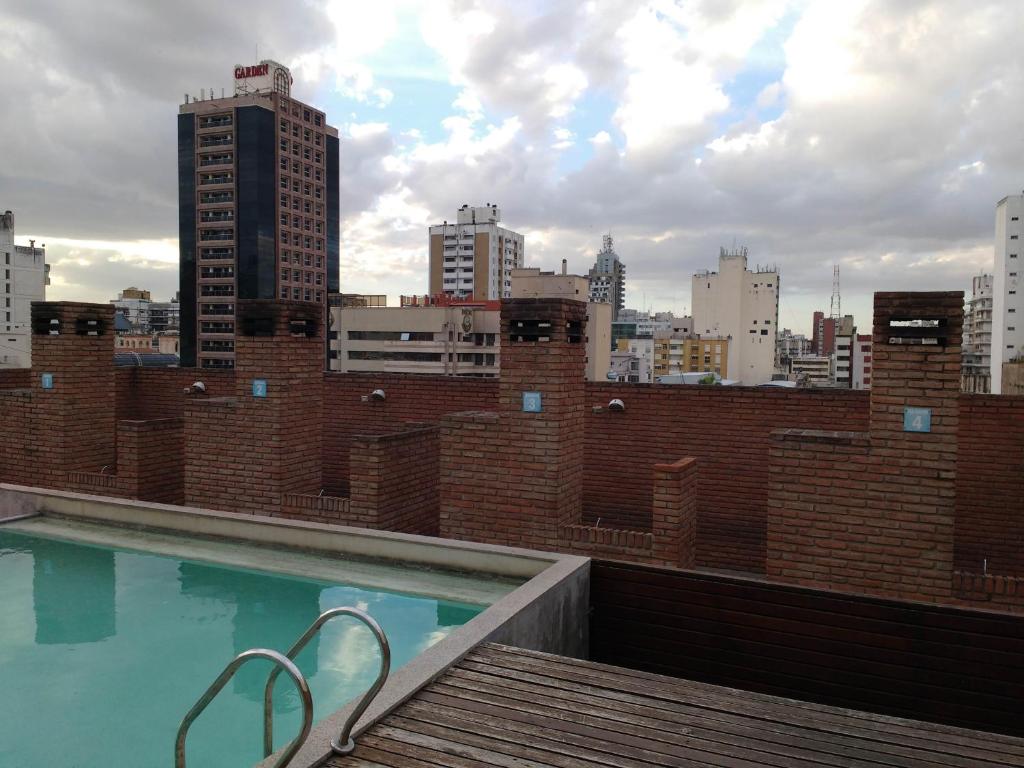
(109, 635)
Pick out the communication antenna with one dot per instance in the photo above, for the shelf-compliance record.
(834, 311)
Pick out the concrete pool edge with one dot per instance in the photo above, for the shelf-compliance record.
(448, 554)
(548, 612)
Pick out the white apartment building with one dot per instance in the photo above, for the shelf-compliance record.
(846, 336)
(641, 356)
(861, 373)
(25, 277)
(977, 344)
(1007, 295)
(474, 257)
(743, 306)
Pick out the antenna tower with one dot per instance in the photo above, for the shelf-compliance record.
(834, 311)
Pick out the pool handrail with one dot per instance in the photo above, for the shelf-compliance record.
(343, 744)
(281, 662)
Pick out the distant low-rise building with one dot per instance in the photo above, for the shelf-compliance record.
(811, 371)
(643, 351)
(25, 277)
(676, 354)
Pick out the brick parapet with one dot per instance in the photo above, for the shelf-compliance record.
(73, 419)
(875, 513)
(674, 513)
(394, 482)
(151, 459)
(989, 590)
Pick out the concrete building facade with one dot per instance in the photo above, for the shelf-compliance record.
(1007, 288)
(457, 338)
(258, 203)
(743, 306)
(862, 363)
(25, 277)
(675, 354)
(474, 257)
(811, 371)
(976, 374)
(608, 278)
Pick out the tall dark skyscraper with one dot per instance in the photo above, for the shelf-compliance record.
(258, 209)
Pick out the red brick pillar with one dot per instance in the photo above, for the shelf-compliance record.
(73, 389)
(674, 513)
(518, 479)
(265, 441)
(915, 386)
(874, 512)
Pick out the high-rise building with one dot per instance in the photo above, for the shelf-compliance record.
(743, 306)
(474, 257)
(791, 345)
(25, 277)
(977, 346)
(608, 278)
(134, 303)
(258, 207)
(1007, 294)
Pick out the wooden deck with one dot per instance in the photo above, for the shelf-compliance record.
(512, 708)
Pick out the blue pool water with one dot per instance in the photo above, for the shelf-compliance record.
(103, 650)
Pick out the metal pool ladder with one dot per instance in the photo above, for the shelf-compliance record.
(280, 662)
(343, 744)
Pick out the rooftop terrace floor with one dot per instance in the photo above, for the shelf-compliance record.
(503, 706)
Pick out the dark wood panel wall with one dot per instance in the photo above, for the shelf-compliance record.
(945, 665)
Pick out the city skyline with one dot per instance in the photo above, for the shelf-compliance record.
(812, 135)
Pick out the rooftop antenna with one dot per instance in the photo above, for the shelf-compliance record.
(834, 310)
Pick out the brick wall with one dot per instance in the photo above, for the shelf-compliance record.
(989, 497)
(72, 422)
(874, 512)
(517, 477)
(157, 393)
(410, 398)
(316, 509)
(151, 459)
(394, 481)
(15, 378)
(727, 429)
(245, 452)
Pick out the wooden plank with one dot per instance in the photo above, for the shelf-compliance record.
(566, 751)
(600, 679)
(664, 725)
(718, 726)
(853, 631)
(933, 617)
(580, 720)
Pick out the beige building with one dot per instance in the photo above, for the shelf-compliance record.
(531, 283)
(743, 306)
(474, 257)
(675, 354)
(460, 339)
(811, 371)
(450, 337)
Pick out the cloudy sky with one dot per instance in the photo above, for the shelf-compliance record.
(875, 135)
